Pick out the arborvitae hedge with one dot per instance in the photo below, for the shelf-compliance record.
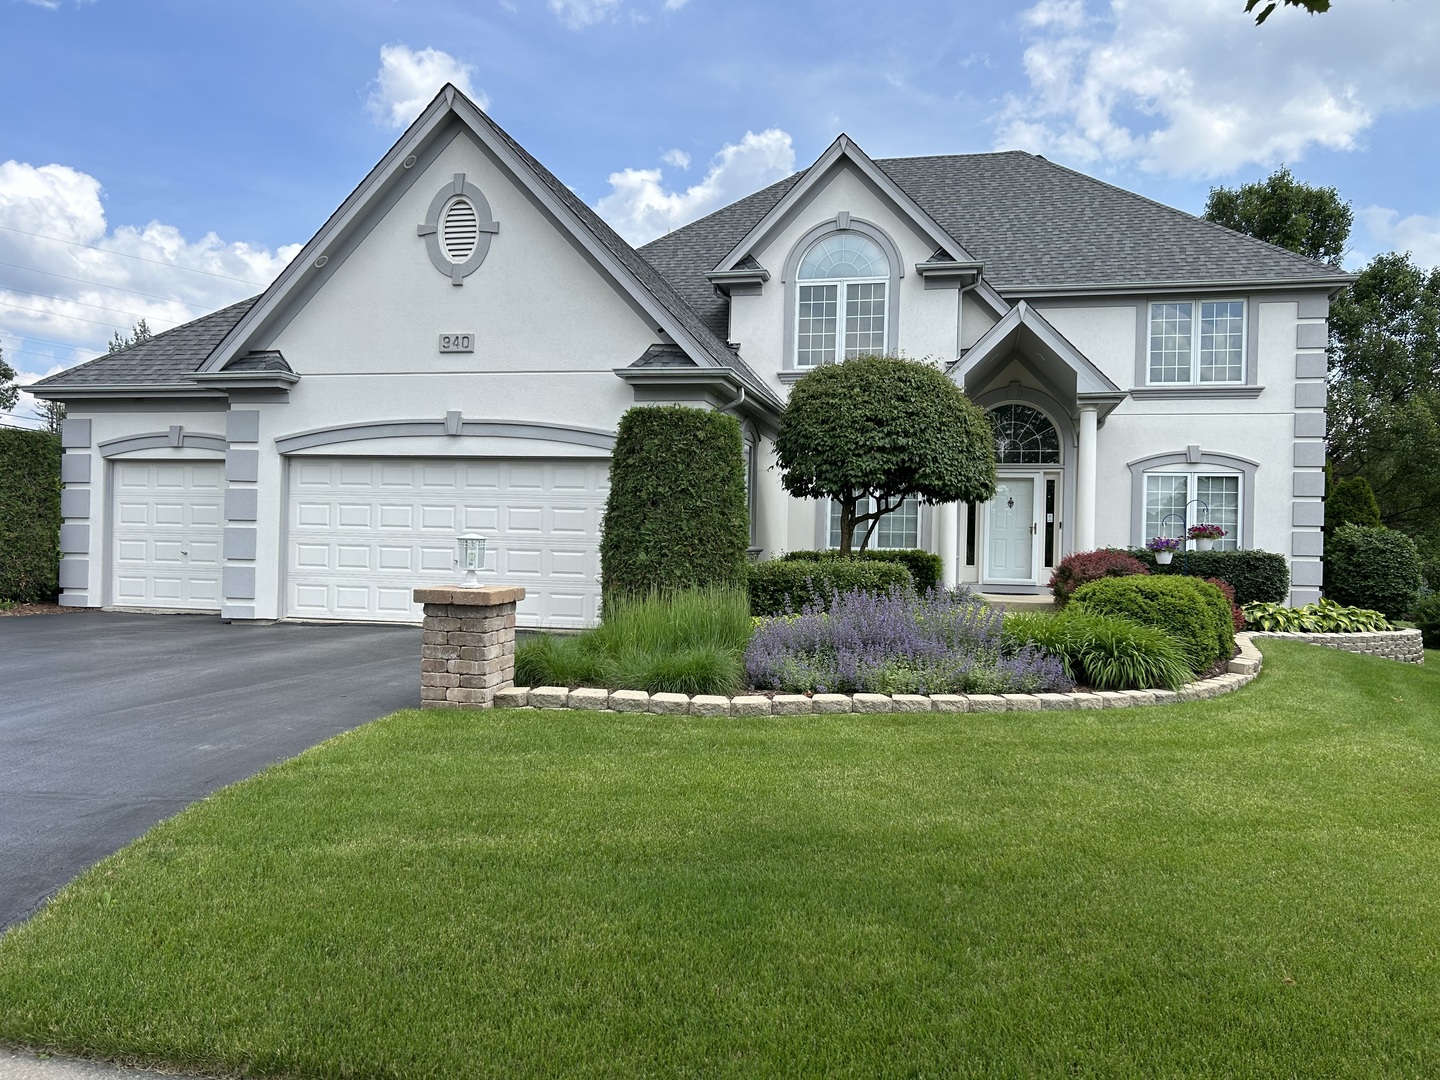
(781, 586)
(29, 515)
(1377, 569)
(676, 515)
(1351, 502)
(1254, 575)
(925, 566)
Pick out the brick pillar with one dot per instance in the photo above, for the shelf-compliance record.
(468, 650)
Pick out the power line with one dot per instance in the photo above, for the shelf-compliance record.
(45, 341)
(103, 285)
(83, 303)
(124, 255)
(59, 315)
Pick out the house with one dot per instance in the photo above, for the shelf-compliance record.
(453, 350)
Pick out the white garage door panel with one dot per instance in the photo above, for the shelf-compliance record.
(166, 542)
(363, 534)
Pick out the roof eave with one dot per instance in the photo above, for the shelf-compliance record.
(1132, 288)
(124, 390)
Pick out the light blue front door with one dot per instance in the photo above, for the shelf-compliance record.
(1010, 545)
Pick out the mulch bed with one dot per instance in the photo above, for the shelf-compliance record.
(39, 609)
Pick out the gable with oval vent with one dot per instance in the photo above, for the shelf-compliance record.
(458, 229)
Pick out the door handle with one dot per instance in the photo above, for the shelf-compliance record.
(1034, 528)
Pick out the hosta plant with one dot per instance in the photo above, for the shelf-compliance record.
(1321, 617)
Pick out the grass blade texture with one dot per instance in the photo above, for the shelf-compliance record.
(1242, 887)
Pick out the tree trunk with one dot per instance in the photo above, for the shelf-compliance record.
(847, 522)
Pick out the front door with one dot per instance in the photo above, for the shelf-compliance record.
(1010, 542)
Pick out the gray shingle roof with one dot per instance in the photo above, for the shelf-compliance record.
(1032, 222)
(168, 357)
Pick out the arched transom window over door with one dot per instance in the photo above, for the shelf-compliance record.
(1024, 436)
(842, 301)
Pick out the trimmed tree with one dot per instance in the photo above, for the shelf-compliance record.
(883, 428)
(677, 515)
(29, 515)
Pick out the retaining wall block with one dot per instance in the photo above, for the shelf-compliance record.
(911, 703)
(750, 705)
(1165, 697)
(1056, 701)
(1021, 702)
(512, 697)
(1140, 697)
(951, 703)
(791, 705)
(550, 697)
(1088, 701)
(873, 703)
(1114, 699)
(986, 703)
(709, 705)
(831, 703)
(629, 701)
(670, 704)
(589, 697)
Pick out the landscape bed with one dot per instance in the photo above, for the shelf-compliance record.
(1243, 887)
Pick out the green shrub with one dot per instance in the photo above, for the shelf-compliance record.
(782, 585)
(689, 641)
(1194, 613)
(29, 515)
(1254, 575)
(925, 567)
(1372, 568)
(1351, 502)
(676, 515)
(1427, 619)
(1323, 617)
(1103, 652)
(1080, 567)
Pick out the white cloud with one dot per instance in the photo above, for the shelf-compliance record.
(61, 297)
(1418, 234)
(679, 158)
(408, 80)
(675, 5)
(639, 207)
(578, 14)
(1194, 88)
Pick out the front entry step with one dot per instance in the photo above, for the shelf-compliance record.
(1020, 601)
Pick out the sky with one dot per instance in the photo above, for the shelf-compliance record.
(163, 158)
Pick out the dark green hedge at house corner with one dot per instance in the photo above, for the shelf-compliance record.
(29, 515)
(1375, 568)
(1256, 576)
(925, 567)
(676, 515)
(782, 586)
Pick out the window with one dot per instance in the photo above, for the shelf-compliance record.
(842, 299)
(898, 529)
(1197, 342)
(1024, 436)
(749, 453)
(1167, 496)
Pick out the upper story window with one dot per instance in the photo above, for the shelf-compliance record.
(1197, 342)
(842, 303)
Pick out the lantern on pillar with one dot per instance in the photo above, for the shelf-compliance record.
(470, 556)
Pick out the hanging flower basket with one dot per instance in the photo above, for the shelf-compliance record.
(1164, 548)
(1205, 535)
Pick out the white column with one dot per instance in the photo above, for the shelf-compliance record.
(947, 535)
(771, 502)
(1085, 479)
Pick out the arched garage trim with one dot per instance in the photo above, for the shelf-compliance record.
(452, 426)
(159, 440)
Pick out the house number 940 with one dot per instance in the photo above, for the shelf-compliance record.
(457, 342)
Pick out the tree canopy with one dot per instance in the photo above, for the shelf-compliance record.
(1305, 218)
(1314, 7)
(883, 428)
(9, 392)
(138, 333)
(1384, 410)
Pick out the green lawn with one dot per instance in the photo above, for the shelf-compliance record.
(1243, 887)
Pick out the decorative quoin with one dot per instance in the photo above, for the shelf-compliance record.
(467, 652)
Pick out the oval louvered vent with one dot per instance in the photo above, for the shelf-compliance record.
(459, 230)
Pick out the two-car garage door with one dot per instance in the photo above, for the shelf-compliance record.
(362, 533)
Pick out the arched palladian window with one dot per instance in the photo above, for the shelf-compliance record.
(842, 301)
(1024, 436)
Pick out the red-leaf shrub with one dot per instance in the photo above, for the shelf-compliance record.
(1236, 615)
(1083, 567)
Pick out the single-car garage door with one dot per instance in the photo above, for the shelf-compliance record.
(168, 517)
(364, 532)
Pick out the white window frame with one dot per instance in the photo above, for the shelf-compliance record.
(1229, 542)
(832, 526)
(842, 307)
(1196, 323)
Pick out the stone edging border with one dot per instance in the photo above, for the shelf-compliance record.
(1243, 668)
(1403, 646)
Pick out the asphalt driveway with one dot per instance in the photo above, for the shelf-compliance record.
(111, 722)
